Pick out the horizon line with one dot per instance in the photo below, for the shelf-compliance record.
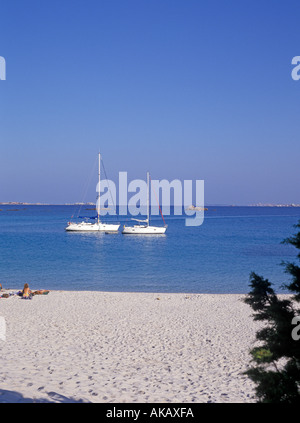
(21, 203)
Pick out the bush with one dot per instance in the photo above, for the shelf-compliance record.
(276, 371)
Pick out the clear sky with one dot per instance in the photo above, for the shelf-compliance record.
(186, 89)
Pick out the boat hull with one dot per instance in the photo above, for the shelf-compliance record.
(143, 230)
(92, 227)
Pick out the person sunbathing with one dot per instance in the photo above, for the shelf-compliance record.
(40, 292)
(26, 293)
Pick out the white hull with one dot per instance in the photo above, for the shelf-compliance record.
(92, 227)
(138, 229)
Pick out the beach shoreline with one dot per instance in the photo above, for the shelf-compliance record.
(125, 347)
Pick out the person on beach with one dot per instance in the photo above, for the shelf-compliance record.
(40, 292)
(26, 293)
(0, 287)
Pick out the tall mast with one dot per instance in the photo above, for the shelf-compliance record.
(148, 215)
(98, 208)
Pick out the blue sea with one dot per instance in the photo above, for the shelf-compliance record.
(216, 257)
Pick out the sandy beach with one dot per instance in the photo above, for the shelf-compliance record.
(126, 347)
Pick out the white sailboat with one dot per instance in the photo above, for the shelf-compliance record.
(98, 225)
(144, 226)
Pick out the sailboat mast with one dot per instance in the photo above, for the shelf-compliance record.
(98, 208)
(148, 214)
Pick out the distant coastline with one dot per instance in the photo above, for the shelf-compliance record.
(16, 203)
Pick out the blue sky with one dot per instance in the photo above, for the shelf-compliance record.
(187, 89)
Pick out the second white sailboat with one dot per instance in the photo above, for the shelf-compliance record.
(144, 226)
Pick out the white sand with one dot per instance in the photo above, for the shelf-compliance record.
(126, 347)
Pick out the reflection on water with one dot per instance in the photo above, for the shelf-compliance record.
(146, 235)
(215, 257)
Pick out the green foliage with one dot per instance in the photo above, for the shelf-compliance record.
(261, 355)
(276, 370)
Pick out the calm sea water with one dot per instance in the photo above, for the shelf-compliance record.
(216, 257)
